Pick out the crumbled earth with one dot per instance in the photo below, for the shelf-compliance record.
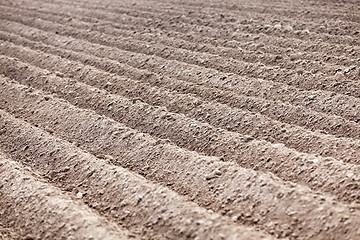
(179, 119)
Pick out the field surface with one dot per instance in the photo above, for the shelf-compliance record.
(175, 119)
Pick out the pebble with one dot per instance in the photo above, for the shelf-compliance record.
(79, 195)
(288, 28)
(210, 176)
(315, 160)
(217, 172)
(291, 213)
(248, 138)
(311, 97)
(293, 57)
(300, 71)
(339, 76)
(59, 74)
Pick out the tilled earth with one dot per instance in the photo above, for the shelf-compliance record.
(178, 119)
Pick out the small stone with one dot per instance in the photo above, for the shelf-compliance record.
(267, 26)
(59, 74)
(210, 176)
(79, 195)
(248, 138)
(288, 28)
(350, 175)
(29, 237)
(293, 57)
(291, 213)
(311, 97)
(339, 76)
(217, 172)
(108, 157)
(277, 26)
(315, 160)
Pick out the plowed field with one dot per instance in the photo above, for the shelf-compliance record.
(178, 119)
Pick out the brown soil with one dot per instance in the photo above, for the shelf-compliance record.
(42, 211)
(179, 120)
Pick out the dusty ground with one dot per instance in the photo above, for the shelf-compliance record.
(179, 119)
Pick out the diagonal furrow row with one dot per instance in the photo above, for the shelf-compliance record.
(128, 29)
(294, 11)
(219, 185)
(319, 101)
(207, 62)
(253, 42)
(224, 34)
(214, 113)
(260, 7)
(245, 41)
(342, 29)
(280, 111)
(205, 16)
(236, 31)
(193, 135)
(101, 26)
(249, 23)
(124, 197)
(255, 22)
(342, 33)
(46, 212)
(179, 119)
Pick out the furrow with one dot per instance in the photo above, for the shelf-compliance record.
(207, 62)
(226, 35)
(259, 7)
(244, 42)
(130, 200)
(343, 30)
(275, 8)
(235, 31)
(253, 23)
(245, 22)
(196, 136)
(328, 11)
(244, 7)
(179, 119)
(35, 209)
(322, 101)
(232, 119)
(276, 110)
(221, 186)
(234, 21)
(85, 20)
